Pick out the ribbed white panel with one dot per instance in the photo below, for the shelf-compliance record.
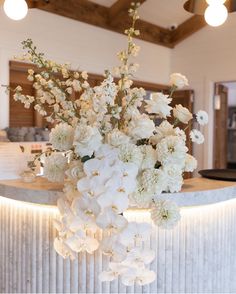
(197, 256)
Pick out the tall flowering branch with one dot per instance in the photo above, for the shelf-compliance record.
(127, 69)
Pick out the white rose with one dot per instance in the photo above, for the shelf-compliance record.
(75, 170)
(190, 163)
(87, 140)
(182, 114)
(61, 137)
(178, 80)
(141, 127)
(55, 167)
(117, 138)
(159, 104)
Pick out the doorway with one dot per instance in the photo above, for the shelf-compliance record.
(224, 153)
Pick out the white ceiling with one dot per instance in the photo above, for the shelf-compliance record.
(164, 13)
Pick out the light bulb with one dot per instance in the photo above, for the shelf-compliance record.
(15, 9)
(213, 2)
(216, 15)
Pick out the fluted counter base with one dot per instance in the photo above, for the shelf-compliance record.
(199, 255)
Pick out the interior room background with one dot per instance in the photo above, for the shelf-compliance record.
(206, 57)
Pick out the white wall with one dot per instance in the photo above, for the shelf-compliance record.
(206, 57)
(232, 97)
(84, 46)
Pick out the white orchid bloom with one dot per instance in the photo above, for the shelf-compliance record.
(139, 257)
(86, 208)
(64, 206)
(63, 250)
(92, 187)
(97, 168)
(139, 276)
(129, 169)
(76, 224)
(121, 184)
(110, 246)
(119, 202)
(111, 221)
(116, 270)
(79, 242)
(135, 233)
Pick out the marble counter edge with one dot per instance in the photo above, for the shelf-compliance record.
(199, 198)
(183, 199)
(45, 197)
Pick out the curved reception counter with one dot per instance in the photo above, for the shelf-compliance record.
(197, 256)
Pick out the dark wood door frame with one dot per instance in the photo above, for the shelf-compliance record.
(220, 126)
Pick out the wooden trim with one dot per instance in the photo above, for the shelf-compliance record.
(187, 28)
(23, 67)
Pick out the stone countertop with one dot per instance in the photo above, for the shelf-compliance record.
(41, 191)
(195, 191)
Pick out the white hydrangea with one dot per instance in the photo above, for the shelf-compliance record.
(173, 177)
(159, 104)
(190, 163)
(154, 181)
(55, 166)
(87, 139)
(130, 153)
(61, 137)
(165, 129)
(141, 127)
(140, 198)
(172, 150)
(165, 214)
(117, 138)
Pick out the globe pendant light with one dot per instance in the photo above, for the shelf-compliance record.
(215, 11)
(15, 9)
(216, 14)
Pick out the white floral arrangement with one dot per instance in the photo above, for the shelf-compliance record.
(111, 157)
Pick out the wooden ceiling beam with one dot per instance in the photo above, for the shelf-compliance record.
(98, 15)
(119, 7)
(187, 28)
(81, 10)
(148, 31)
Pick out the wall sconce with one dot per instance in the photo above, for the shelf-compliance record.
(214, 11)
(217, 102)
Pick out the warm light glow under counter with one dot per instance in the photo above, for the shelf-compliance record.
(198, 255)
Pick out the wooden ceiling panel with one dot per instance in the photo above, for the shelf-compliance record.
(115, 18)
